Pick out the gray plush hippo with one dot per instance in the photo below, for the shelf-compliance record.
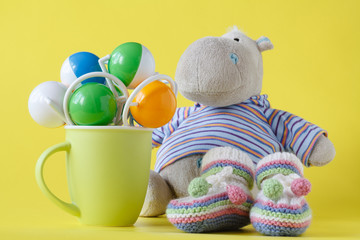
(211, 154)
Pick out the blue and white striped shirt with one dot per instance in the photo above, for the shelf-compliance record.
(251, 126)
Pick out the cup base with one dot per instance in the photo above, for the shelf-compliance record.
(107, 224)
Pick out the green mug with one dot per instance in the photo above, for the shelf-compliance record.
(108, 171)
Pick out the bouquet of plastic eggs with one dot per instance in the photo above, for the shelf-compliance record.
(94, 91)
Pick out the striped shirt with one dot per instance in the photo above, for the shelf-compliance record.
(252, 126)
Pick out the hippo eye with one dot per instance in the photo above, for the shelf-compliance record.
(236, 39)
(234, 58)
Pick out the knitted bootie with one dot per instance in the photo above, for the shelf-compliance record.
(280, 208)
(220, 199)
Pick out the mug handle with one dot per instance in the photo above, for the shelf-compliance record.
(68, 207)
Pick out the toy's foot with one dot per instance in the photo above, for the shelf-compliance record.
(280, 208)
(220, 199)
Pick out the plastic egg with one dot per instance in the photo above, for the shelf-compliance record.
(132, 63)
(45, 104)
(156, 105)
(79, 64)
(92, 104)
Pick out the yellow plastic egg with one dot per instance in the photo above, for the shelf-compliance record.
(156, 105)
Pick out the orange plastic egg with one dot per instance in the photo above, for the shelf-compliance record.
(156, 105)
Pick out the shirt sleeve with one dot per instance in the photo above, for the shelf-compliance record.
(161, 133)
(294, 133)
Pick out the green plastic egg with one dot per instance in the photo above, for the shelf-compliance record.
(132, 63)
(92, 104)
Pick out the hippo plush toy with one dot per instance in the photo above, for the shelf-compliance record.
(213, 153)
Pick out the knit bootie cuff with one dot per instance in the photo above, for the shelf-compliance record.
(278, 163)
(218, 158)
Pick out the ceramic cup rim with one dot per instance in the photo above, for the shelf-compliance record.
(109, 127)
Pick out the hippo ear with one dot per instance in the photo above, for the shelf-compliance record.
(264, 44)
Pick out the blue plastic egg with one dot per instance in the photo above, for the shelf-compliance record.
(79, 64)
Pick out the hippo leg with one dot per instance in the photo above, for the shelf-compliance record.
(157, 197)
(179, 174)
(172, 182)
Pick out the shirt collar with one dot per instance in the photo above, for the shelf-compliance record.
(259, 100)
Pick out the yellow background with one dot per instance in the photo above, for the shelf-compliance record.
(313, 71)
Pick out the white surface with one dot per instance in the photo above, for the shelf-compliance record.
(146, 68)
(67, 75)
(45, 104)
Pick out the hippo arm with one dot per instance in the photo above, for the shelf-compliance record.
(323, 152)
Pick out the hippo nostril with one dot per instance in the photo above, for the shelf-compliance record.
(234, 58)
